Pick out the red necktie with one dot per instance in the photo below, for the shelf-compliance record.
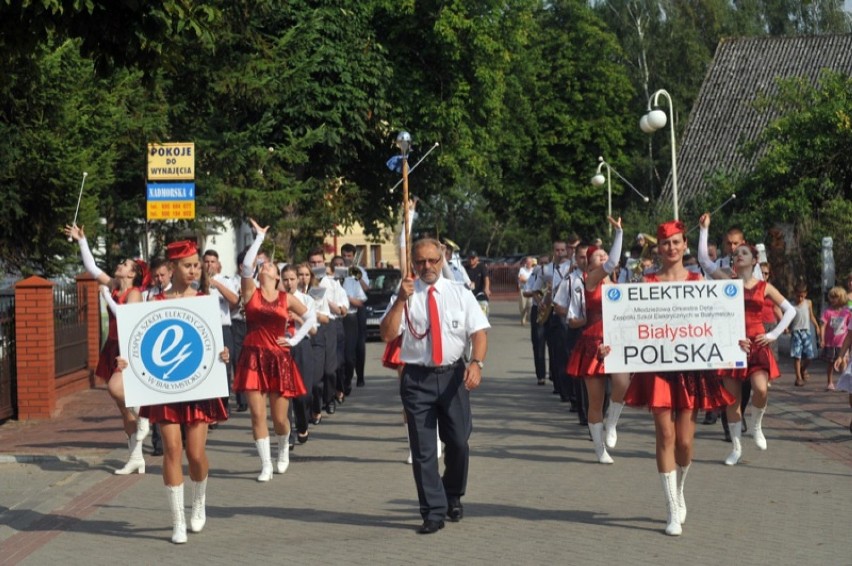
(435, 329)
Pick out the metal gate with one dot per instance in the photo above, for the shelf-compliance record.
(69, 328)
(8, 365)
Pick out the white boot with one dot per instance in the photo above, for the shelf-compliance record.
(143, 427)
(178, 517)
(136, 462)
(283, 461)
(596, 430)
(265, 459)
(612, 415)
(681, 500)
(199, 502)
(757, 428)
(736, 436)
(670, 492)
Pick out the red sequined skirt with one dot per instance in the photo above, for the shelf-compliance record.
(265, 370)
(106, 360)
(760, 358)
(584, 360)
(678, 390)
(188, 412)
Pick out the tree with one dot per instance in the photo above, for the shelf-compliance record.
(62, 120)
(803, 176)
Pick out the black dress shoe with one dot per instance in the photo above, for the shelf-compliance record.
(710, 418)
(302, 438)
(158, 451)
(331, 408)
(428, 527)
(316, 420)
(360, 383)
(455, 510)
(242, 408)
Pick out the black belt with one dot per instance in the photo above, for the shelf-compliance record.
(437, 369)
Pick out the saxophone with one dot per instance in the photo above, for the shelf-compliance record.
(545, 307)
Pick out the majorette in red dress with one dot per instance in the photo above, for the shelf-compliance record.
(264, 365)
(584, 360)
(186, 412)
(760, 358)
(109, 352)
(677, 389)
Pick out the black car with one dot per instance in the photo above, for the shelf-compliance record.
(383, 285)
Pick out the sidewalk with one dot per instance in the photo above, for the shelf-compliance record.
(535, 494)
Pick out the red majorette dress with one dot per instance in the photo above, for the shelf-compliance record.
(109, 352)
(584, 360)
(264, 365)
(187, 412)
(760, 358)
(677, 389)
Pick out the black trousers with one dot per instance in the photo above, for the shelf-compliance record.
(539, 345)
(325, 387)
(340, 372)
(361, 346)
(319, 352)
(238, 335)
(350, 330)
(303, 355)
(435, 398)
(556, 335)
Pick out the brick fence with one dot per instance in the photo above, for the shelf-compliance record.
(38, 386)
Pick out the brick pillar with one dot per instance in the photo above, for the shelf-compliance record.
(88, 290)
(35, 344)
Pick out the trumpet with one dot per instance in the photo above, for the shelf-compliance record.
(355, 272)
(546, 305)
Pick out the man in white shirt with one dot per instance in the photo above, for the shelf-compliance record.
(570, 305)
(532, 290)
(524, 273)
(335, 305)
(348, 252)
(435, 384)
(356, 297)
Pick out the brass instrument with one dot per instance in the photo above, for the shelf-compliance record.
(354, 267)
(545, 307)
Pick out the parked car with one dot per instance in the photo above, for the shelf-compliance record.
(383, 285)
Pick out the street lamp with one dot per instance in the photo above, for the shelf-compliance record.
(652, 121)
(598, 181)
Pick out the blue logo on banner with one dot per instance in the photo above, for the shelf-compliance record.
(613, 294)
(730, 290)
(740, 364)
(172, 350)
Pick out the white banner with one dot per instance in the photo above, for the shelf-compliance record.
(173, 350)
(693, 325)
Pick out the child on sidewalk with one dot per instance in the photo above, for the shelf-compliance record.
(834, 324)
(844, 382)
(801, 345)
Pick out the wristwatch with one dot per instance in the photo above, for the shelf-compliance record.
(480, 363)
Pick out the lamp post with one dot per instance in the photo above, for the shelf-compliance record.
(652, 121)
(598, 181)
(403, 142)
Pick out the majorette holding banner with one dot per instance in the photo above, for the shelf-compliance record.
(172, 348)
(653, 327)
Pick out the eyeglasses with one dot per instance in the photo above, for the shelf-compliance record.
(423, 262)
(765, 273)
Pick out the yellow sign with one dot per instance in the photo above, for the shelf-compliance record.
(171, 209)
(171, 161)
